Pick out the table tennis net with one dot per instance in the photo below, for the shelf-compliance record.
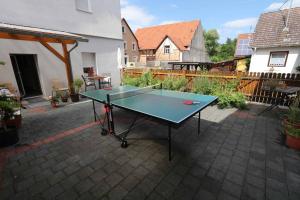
(134, 92)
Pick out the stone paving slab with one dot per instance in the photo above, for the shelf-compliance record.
(237, 156)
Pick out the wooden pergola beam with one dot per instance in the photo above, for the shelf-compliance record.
(45, 42)
(4, 35)
(50, 48)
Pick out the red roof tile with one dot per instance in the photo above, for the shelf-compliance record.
(180, 33)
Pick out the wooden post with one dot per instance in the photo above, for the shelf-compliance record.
(68, 68)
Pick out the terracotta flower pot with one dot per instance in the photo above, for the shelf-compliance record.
(293, 142)
(54, 104)
(64, 99)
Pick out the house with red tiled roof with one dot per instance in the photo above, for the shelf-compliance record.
(276, 42)
(181, 41)
(131, 47)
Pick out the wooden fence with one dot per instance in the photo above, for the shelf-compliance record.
(250, 84)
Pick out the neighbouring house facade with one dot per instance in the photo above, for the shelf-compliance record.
(98, 21)
(131, 46)
(183, 41)
(276, 42)
(243, 51)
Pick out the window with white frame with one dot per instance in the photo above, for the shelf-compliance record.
(125, 45)
(84, 5)
(167, 49)
(133, 46)
(278, 58)
(123, 29)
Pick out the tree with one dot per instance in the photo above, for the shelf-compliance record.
(226, 50)
(211, 38)
(218, 52)
(2, 63)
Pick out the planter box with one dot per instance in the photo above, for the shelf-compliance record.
(9, 137)
(15, 122)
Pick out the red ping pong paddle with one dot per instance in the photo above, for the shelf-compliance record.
(190, 102)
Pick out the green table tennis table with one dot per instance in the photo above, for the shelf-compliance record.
(165, 106)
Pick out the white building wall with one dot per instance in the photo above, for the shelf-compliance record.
(102, 27)
(260, 60)
(102, 21)
(50, 67)
(197, 51)
(174, 51)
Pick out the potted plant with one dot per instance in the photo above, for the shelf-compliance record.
(64, 96)
(77, 86)
(292, 126)
(54, 101)
(8, 130)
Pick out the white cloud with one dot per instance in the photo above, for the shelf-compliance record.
(135, 15)
(124, 2)
(273, 6)
(277, 5)
(169, 22)
(174, 6)
(241, 23)
(231, 29)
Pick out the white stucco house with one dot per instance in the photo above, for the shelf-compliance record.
(276, 42)
(30, 63)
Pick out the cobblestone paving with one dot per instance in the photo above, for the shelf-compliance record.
(237, 156)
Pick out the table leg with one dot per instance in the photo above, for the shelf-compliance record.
(94, 111)
(199, 118)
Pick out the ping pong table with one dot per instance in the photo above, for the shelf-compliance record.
(163, 105)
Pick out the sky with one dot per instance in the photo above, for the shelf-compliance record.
(229, 17)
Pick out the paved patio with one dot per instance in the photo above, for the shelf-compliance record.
(62, 155)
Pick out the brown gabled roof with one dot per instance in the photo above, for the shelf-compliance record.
(270, 31)
(180, 33)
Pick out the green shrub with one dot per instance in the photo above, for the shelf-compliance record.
(226, 91)
(175, 83)
(131, 81)
(147, 79)
(205, 86)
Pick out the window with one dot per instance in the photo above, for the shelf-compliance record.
(133, 46)
(123, 29)
(278, 59)
(125, 45)
(167, 49)
(84, 5)
(89, 60)
(125, 60)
